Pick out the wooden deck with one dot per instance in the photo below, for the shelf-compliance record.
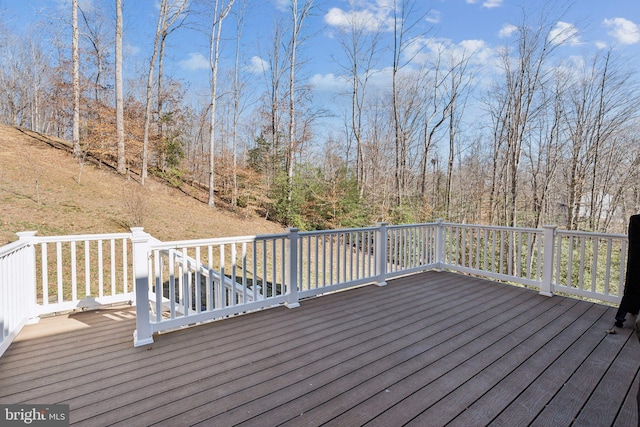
(431, 349)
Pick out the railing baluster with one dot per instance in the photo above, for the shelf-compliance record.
(234, 273)
(100, 270)
(45, 274)
(172, 283)
(210, 291)
(74, 279)
(583, 242)
(87, 267)
(59, 271)
(244, 272)
(308, 266)
(112, 253)
(198, 282)
(159, 291)
(274, 270)
(185, 284)
(255, 270)
(594, 264)
(125, 267)
(607, 275)
(570, 263)
(223, 288)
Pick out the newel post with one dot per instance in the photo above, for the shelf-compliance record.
(546, 286)
(439, 242)
(381, 255)
(28, 270)
(292, 274)
(140, 240)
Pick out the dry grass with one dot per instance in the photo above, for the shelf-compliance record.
(43, 188)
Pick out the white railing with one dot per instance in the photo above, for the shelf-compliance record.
(188, 282)
(17, 287)
(412, 248)
(45, 275)
(585, 264)
(590, 265)
(83, 271)
(195, 281)
(501, 253)
(328, 261)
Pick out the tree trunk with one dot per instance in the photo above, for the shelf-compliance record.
(77, 152)
(214, 54)
(122, 165)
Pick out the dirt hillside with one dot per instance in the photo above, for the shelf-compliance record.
(43, 188)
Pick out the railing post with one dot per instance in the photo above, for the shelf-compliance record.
(292, 282)
(546, 286)
(439, 242)
(381, 255)
(28, 271)
(140, 240)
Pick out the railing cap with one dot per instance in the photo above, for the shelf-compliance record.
(138, 235)
(23, 235)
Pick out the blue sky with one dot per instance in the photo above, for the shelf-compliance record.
(481, 26)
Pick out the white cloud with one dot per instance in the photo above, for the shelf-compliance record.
(601, 45)
(130, 49)
(489, 4)
(564, 33)
(507, 30)
(623, 30)
(257, 66)
(424, 51)
(433, 17)
(282, 4)
(371, 17)
(196, 61)
(328, 82)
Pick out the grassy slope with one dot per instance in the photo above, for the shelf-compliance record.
(43, 188)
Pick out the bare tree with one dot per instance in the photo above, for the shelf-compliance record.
(76, 79)
(169, 13)
(237, 107)
(543, 151)
(403, 29)
(220, 12)
(274, 75)
(516, 103)
(600, 109)
(360, 45)
(122, 165)
(298, 15)
(459, 80)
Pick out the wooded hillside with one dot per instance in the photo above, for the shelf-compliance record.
(525, 135)
(43, 188)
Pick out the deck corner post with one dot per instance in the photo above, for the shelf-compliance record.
(140, 240)
(546, 285)
(439, 243)
(28, 271)
(381, 255)
(292, 273)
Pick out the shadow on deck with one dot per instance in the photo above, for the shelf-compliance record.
(430, 349)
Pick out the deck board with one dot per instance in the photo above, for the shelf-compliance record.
(427, 349)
